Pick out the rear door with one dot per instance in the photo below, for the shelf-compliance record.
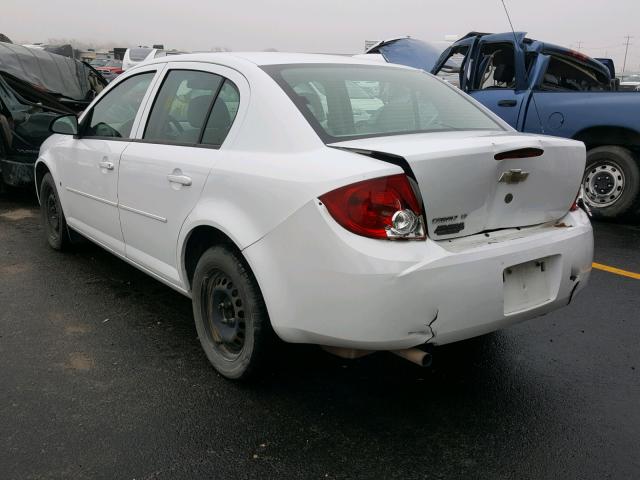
(89, 164)
(163, 172)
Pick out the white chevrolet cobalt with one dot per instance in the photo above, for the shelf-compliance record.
(319, 199)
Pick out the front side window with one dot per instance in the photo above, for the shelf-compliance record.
(114, 114)
(181, 106)
(355, 101)
(451, 70)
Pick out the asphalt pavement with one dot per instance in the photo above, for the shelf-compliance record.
(102, 376)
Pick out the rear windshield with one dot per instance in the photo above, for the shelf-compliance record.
(138, 54)
(356, 101)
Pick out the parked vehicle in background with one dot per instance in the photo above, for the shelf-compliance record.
(538, 87)
(134, 56)
(107, 64)
(630, 83)
(36, 86)
(426, 222)
(109, 68)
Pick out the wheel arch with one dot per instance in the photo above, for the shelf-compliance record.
(196, 241)
(41, 169)
(605, 135)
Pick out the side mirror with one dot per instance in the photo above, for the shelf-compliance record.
(65, 125)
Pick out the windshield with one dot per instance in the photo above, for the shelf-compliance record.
(356, 101)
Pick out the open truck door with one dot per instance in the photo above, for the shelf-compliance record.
(499, 77)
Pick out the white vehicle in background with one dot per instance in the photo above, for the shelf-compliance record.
(630, 83)
(283, 215)
(136, 55)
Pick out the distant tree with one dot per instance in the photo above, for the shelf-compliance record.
(4, 38)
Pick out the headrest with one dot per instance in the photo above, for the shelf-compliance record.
(197, 110)
(504, 73)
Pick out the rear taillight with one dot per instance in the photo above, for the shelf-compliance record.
(383, 207)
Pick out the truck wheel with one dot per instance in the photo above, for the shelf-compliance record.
(611, 182)
(53, 220)
(230, 315)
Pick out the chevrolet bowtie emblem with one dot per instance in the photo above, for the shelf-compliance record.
(515, 175)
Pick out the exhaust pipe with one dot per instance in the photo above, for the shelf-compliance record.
(415, 355)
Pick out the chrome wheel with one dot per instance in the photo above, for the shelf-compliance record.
(603, 184)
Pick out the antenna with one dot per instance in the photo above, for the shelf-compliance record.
(510, 23)
(626, 50)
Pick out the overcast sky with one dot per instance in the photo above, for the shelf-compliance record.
(339, 26)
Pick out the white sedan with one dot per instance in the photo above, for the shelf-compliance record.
(249, 183)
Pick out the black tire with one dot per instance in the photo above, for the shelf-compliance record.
(611, 182)
(53, 219)
(231, 317)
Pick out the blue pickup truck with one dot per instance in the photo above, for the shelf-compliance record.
(541, 88)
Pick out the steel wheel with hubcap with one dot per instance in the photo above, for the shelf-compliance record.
(603, 184)
(611, 182)
(231, 318)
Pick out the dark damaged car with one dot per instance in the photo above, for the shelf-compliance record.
(36, 86)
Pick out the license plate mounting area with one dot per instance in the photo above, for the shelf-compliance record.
(528, 285)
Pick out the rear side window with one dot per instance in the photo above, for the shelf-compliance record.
(182, 106)
(222, 115)
(114, 114)
(564, 74)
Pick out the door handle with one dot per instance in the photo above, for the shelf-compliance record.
(507, 103)
(106, 165)
(180, 179)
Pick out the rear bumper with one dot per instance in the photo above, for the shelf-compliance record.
(327, 286)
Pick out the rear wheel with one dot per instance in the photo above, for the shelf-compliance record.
(611, 182)
(231, 318)
(53, 220)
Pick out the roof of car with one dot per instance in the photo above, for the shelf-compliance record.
(262, 58)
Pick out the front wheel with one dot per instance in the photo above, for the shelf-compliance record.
(53, 219)
(611, 182)
(230, 315)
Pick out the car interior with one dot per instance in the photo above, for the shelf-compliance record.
(497, 67)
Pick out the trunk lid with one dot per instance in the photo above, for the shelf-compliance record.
(465, 190)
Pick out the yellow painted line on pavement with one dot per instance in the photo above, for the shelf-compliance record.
(617, 271)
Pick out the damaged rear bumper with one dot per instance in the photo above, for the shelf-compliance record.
(326, 286)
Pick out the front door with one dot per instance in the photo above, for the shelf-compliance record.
(163, 173)
(90, 164)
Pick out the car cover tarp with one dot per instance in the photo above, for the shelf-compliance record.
(55, 74)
